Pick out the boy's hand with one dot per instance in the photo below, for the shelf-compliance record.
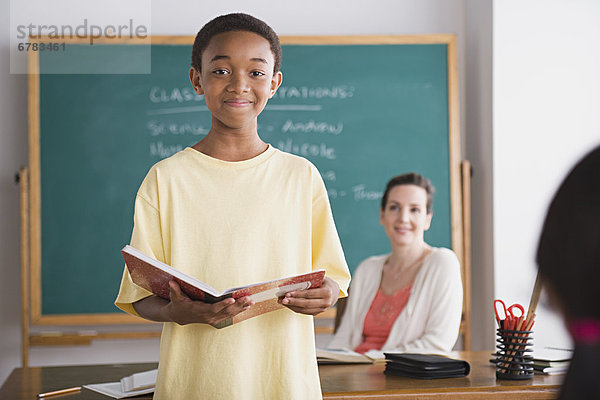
(314, 300)
(183, 310)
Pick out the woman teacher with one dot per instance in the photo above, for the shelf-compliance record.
(411, 299)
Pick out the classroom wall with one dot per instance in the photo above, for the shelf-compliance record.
(545, 105)
(13, 142)
(478, 143)
(470, 20)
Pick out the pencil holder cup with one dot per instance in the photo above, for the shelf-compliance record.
(513, 360)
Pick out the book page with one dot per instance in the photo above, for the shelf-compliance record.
(325, 355)
(113, 389)
(140, 380)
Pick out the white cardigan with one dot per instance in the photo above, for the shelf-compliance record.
(431, 319)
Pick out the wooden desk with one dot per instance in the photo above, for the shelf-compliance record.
(368, 381)
(337, 382)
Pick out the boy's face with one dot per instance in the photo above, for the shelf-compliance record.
(236, 79)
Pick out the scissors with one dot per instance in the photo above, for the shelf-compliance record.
(507, 313)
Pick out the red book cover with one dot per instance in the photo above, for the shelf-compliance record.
(154, 276)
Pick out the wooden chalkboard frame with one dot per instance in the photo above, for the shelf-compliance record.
(33, 250)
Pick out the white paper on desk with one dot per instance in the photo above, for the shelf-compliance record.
(552, 354)
(113, 389)
(139, 380)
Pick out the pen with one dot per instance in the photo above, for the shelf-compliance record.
(57, 392)
(535, 296)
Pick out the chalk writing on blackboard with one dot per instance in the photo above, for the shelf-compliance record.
(361, 193)
(321, 150)
(312, 127)
(356, 193)
(157, 128)
(161, 150)
(178, 95)
(303, 92)
(187, 94)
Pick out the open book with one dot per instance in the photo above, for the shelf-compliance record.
(139, 380)
(154, 276)
(342, 356)
(129, 386)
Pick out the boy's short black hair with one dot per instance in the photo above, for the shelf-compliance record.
(411, 178)
(235, 22)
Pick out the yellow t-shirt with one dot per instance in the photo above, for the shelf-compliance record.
(230, 224)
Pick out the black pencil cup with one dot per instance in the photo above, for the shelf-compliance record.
(513, 359)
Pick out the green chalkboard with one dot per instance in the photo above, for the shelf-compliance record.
(361, 113)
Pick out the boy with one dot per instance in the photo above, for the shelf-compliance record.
(232, 210)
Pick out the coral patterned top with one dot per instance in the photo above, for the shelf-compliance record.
(380, 318)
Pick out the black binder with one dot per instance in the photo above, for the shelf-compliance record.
(425, 366)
